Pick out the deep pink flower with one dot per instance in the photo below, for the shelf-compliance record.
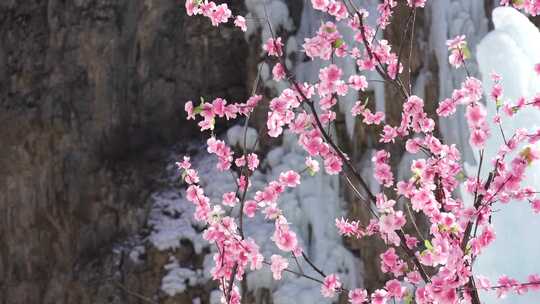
(535, 204)
(478, 138)
(274, 47)
(347, 228)
(446, 107)
(333, 165)
(476, 115)
(330, 286)
(395, 289)
(278, 72)
(534, 278)
(285, 239)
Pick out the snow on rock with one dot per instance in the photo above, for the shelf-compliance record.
(511, 50)
(278, 15)
(136, 253)
(178, 279)
(235, 137)
(311, 209)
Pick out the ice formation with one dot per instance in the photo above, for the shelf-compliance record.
(311, 208)
(511, 50)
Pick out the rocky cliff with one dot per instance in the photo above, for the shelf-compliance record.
(89, 92)
(91, 98)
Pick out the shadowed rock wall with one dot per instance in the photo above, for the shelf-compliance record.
(89, 89)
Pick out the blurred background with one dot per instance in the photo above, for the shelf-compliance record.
(92, 94)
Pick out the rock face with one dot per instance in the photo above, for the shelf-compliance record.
(89, 91)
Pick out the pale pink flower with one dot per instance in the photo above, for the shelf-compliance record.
(220, 14)
(537, 68)
(473, 89)
(370, 118)
(457, 42)
(279, 264)
(389, 134)
(482, 282)
(185, 164)
(252, 161)
(382, 172)
(338, 10)
(358, 296)
(188, 107)
(191, 177)
(414, 277)
(506, 285)
(379, 296)
(229, 199)
(321, 5)
(290, 179)
(416, 3)
(191, 7)
(193, 192)
(250, 207)
(358, 82)
(457, 47)
(240, 22)
(312, 165)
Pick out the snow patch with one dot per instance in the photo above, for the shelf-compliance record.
(178, 279)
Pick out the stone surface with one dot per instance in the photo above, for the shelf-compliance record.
(89, 92)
